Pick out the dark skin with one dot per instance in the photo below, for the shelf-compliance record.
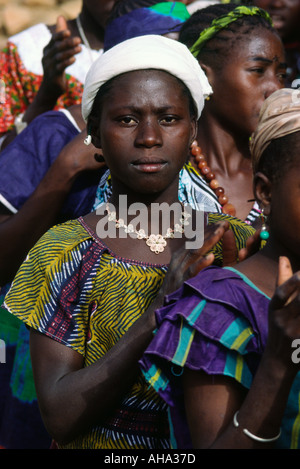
(272, 271)
(286, 17)
(61, 53)
(32, 220)
(145, 115)
(255, 70)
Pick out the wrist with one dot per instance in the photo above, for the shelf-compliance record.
(63, 174)
(44, 101)
(278, 365)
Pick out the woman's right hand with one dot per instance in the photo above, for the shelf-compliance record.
(58, 55)
(187, 263)
(284, 315)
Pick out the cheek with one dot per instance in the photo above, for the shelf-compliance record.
(285, 216)
(181, 146)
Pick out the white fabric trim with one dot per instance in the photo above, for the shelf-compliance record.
(71, 118)
(31, 43)
(7, 204)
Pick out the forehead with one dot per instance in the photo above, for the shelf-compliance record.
(260, 42)
(136, 75)
(146, 84)
(270, 4)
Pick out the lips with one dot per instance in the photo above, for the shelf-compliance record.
(149, 165)
(278, 21)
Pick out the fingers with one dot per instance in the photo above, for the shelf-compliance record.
(62, 48)
(212, 235)
(287, 291)
(195, 260)
(229, 248)
(200, 264)
(284, 270)
(61, 24)
(186, 263)
(252, 246)
(64, 44)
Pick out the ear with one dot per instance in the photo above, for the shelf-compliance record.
(93, 129)
(208, 72)
(262, 189)
(194, 129)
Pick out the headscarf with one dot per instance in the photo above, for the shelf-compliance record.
(161, 18)
(279, 116)
(223, 21)
(147, 52)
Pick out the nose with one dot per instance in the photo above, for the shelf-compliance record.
(278, 4)
(273, 85)
(148, 134)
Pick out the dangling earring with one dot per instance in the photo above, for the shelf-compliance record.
(264, 234)
(88, 139)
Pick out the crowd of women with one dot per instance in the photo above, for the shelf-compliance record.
(118, 334)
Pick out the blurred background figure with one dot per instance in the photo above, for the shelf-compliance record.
(286, 18)
(44, 67)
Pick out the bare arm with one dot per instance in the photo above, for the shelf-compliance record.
(211, 402)
(72, 398)
(58, 55)
(19, 232)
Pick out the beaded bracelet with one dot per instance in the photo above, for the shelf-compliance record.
(254, 437)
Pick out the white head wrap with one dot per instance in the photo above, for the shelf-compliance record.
(145, 52)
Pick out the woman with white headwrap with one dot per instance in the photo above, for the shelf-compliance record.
(90, 301)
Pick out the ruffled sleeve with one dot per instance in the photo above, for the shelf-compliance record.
(46, 293)
(215, 323)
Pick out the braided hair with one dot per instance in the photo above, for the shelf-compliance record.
(215, 51)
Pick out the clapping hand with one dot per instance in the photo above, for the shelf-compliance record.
(58, 55)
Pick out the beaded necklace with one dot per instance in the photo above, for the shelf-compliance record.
(210, 177)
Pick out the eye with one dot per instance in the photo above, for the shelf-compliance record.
(168, 119)
(127, 120)
(282, 75)
(259, 70)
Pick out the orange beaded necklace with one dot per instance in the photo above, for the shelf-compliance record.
(207, 173)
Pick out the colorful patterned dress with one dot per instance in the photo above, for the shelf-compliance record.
(217, 322)
(75, 290)
(21, 73)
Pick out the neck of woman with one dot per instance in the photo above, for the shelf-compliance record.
(261, 268)
(275, 249)
(224, 151)
(121, 196)
(92, 30)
